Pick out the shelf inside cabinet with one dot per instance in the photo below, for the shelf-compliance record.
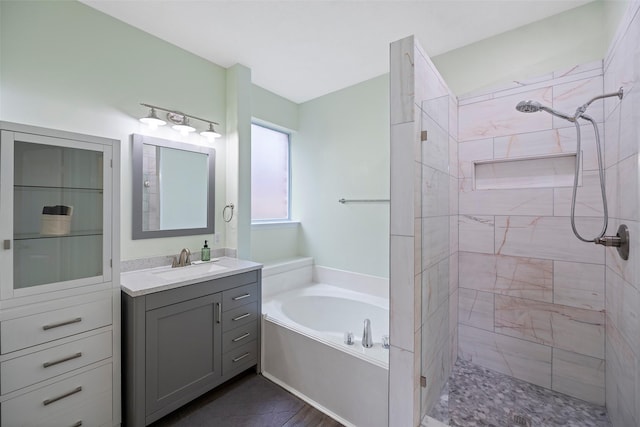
(29, 204)
(80, 233)
(39, 261)
(56, 187)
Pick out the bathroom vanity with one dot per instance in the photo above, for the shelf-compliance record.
(186, 330)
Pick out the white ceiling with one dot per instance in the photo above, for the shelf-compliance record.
(307, 48)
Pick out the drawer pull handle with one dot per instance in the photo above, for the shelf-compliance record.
(239, 358)
(67, 394)
(64, 359)
(219, 312)
(77, 424)
(65, 323)
(241, 317)
(241, 337)
(241, 297)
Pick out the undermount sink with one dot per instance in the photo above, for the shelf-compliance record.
(189, 271)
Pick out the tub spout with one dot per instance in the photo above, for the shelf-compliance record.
(367, 342)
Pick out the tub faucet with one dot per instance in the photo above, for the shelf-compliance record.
(367, 342)
(183, 260)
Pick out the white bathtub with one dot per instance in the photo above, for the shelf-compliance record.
(303, 332)
(325, 312)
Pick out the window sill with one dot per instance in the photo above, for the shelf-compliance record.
(274, 224)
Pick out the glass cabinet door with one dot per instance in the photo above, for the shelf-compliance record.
(58, 212)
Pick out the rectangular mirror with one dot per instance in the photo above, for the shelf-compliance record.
(173, 188)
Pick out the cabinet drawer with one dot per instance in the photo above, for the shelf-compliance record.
(239, 316)
(39, 366)
(84, 399)
(239, 336)
(239, 296)
(28, 331)
(240, 358)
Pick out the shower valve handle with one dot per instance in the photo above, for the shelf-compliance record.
(610, 241)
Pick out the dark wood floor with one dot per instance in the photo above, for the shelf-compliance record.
(249, 400)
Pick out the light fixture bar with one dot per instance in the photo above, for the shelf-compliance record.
(167, 110)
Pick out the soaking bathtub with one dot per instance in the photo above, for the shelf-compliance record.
(306, 312)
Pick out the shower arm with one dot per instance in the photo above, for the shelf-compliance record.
(580, 110)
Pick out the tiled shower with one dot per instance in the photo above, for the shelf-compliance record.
(531, 294)
(499, 279)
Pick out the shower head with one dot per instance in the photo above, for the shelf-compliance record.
(534, 107)
(528, 106)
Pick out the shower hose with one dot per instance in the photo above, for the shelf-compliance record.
(605, 218)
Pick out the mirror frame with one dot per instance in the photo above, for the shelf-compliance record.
(136, 189)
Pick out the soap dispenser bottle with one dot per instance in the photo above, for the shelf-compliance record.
(206, 253)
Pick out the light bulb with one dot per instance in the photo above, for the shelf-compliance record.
(184, 129)
(210, 133)
(152, 120)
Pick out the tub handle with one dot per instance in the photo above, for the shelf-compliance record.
(241, 297)
(239, 358)
(219, 312)
(241, 337)
(241, 317)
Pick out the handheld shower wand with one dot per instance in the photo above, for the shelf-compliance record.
(534, 107)
(621, 239)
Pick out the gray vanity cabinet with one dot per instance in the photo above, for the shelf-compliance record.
(180, 343)
(183, 340)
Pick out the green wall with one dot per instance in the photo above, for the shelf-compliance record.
(271, 109)
(573, 37)
(342, 151)
(67, 66)
(614, 11)
(339, 148)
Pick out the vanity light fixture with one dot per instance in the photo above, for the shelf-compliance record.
(180, 121)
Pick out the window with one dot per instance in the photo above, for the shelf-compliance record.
(269, 174)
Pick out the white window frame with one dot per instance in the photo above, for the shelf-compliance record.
(275, 221)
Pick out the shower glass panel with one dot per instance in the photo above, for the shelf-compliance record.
(435, 214)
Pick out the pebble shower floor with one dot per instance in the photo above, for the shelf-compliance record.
(481, 397)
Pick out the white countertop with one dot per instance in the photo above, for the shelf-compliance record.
(150, 280)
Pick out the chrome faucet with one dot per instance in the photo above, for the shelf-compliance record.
(367, 341)
(183, 260)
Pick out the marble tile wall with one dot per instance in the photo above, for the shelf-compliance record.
(622, 278)
(531, 295)
(424, 233)
(573, 329)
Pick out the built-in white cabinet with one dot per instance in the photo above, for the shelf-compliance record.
(59, 286)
